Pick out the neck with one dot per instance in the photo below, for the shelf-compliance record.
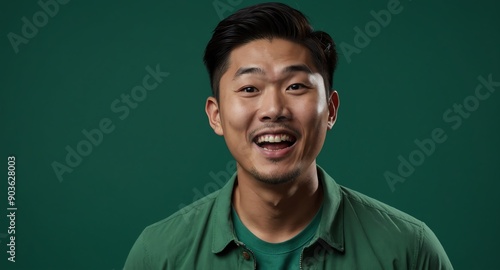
(276, 213)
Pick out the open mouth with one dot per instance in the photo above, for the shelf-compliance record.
(275, 142)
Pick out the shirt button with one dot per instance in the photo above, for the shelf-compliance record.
(246, 256)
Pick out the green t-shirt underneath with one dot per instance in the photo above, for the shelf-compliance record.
(276, 256)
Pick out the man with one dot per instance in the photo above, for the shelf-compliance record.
(273, 102)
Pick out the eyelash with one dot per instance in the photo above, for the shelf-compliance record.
(288, 88)
(247, 87)
(297, 84)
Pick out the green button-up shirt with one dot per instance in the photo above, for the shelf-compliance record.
(355, 232)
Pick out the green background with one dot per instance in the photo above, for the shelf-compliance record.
(161, 156)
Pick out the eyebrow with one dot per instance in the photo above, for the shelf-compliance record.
(286, 70)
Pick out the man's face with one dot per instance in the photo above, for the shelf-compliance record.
(273, 110)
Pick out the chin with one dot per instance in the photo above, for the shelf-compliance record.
(277, 176)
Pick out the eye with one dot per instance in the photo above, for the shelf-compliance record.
(296, 86)
(248, 89)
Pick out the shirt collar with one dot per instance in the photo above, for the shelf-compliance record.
(330, 230)
(223, 232)
(331, 227)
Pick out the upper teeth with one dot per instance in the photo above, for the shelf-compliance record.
(273, 138)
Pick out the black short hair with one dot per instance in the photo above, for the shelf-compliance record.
(267, 21)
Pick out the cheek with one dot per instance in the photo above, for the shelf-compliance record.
(315, 124)
(319, 99)
(322, 108)
(315, 112)
(235, 117)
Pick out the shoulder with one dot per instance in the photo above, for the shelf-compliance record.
(181, 224)
(364, 204)
(164, 241)
(391, 229)
(380, 220)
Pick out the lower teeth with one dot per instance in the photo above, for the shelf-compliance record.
(273, 149)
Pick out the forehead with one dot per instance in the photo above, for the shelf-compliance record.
(269, 55)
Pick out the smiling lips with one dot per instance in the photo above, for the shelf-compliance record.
(274, 142)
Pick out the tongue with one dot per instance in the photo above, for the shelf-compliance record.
(274, 146)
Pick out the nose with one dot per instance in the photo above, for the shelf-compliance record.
(273, 106)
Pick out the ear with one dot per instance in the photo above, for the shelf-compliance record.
(213, 113)
(333, 108)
